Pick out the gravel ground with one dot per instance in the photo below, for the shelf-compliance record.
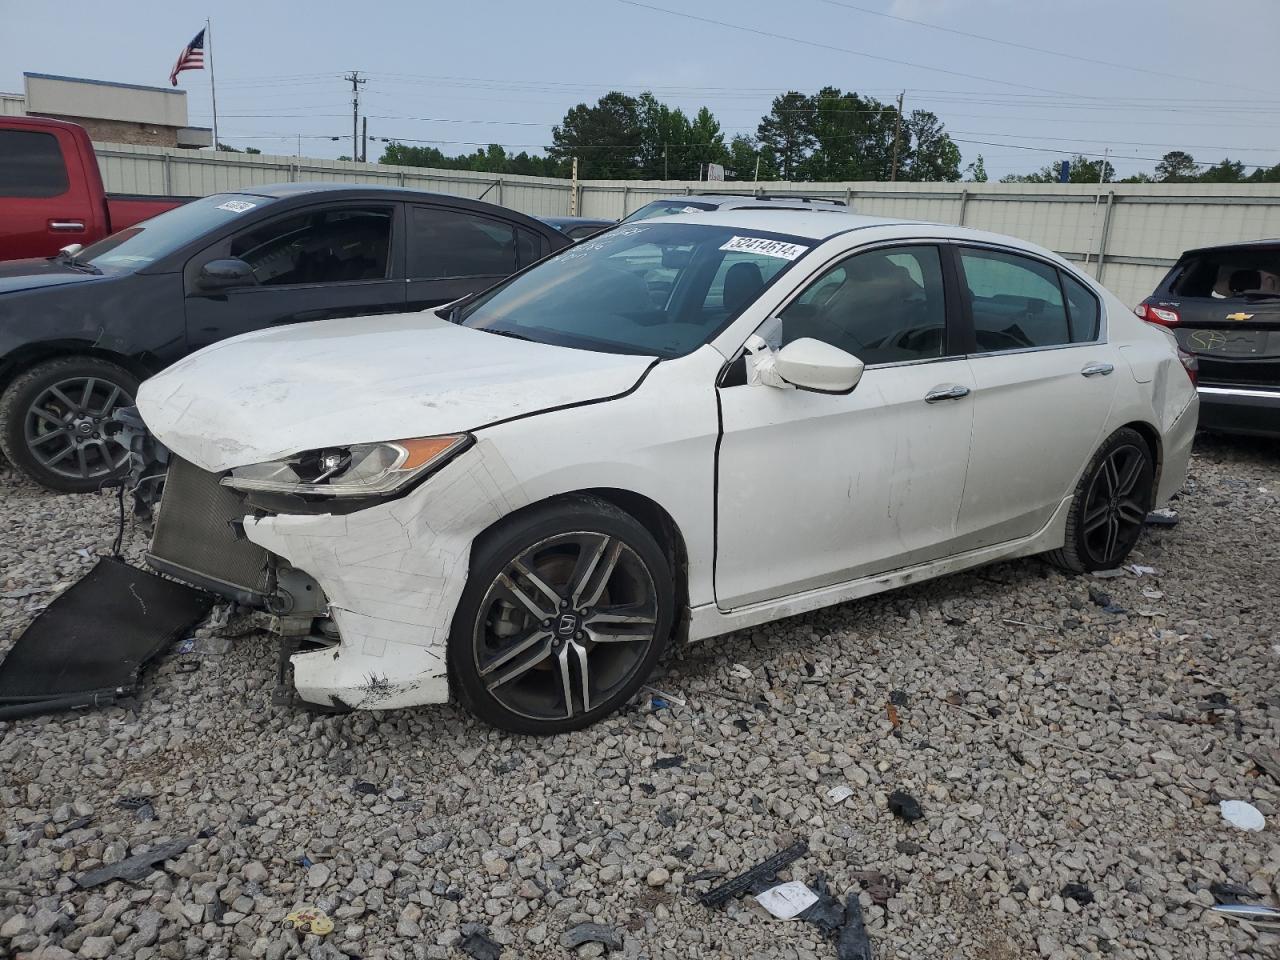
(1048, 741)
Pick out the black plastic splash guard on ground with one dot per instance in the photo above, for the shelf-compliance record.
(90, 644)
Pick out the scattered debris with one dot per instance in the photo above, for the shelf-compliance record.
(762, 872)
(656, 695)
(477, 944)
(575, 937)
(1077, 892)
(1162, 518)
(1268, 763)
(1152, 594)
(908, 848)
(366, 788)
(955, 622)
(879, 886)
(1250, 913)
(1230, 892)
(1244, 816)
(741, 671)
(787, 900)
(898, 698)
(187, 646)
(142, 809)
(905, 806)
(664, 763)
(1099, 598)
(1108, 574)
(844, 923)
(1139, 570)
(839, 794)
(894, 721)
(137, 867)
(186, 666)
(310, 920)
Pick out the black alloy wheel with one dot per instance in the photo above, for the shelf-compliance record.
(563, 621)
(1110, 505)
(52, 421)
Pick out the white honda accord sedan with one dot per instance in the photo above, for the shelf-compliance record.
(676, 429)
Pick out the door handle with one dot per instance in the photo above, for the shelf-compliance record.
(953, 392)
(1096, 370)
(67, 226)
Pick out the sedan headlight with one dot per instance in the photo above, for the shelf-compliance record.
(358, 470)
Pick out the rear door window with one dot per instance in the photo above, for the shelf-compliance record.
(340, 245)
(31, 165)
(1016, 301)
(1082, 310)
(446, 243)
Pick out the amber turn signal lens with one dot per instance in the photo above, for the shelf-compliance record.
(424, 450)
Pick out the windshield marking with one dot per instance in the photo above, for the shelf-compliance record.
(237, 206)
(766, 248)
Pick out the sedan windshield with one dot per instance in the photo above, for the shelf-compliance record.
(660, 289)
(667, 208)
(136, 247)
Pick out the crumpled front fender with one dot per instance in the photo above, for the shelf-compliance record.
(393, 575)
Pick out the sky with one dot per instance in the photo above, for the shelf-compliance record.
(1148, 76)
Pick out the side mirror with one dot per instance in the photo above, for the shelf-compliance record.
(813, 365)
(226, 274)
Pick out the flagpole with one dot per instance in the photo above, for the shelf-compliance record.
(213, 87)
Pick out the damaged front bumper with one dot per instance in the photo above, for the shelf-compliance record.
(369, 594)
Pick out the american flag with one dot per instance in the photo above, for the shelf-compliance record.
(191, 58)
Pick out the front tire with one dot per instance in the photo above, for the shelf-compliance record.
(51, 419)
(1110, 505)
(567, 609)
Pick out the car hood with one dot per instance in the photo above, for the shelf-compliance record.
(18, 275)
(281, 391)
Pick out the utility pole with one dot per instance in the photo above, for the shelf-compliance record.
(664, 162)
(364, 139)
(573, 190)
(897, 136)
(356, 80)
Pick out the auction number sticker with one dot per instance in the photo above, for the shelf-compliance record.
(237, 206)
(767, 248)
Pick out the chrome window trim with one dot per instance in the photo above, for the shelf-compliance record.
(1240, 392)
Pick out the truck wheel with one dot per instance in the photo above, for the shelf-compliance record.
(51, 420)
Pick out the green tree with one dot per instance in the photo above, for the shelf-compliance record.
(933, 155)
(706, 141)
(977, 171)
(787, 132)
(665, 139)
(1228, 171)
(1177, 166)
(853, 137)
(1083, 170)
(744, 152)
(606, 138)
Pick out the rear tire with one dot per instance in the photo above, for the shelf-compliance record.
(51, 418)
(1110, 505)
(567, 609)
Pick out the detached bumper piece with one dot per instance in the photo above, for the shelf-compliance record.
(89, 646)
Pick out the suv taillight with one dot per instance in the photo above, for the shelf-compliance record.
(1190, 364)
(1161, 315)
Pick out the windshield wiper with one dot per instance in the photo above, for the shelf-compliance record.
(70, 260)
(505, 333)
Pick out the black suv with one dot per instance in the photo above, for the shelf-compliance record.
(1223, 305)
(79, 331)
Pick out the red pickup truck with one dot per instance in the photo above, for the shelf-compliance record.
(51, 191)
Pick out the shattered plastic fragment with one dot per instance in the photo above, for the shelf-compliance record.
(1250, 913)
(1108, 574)
(310, 920)
(1077, 892)
(1162, 518)
(1139, 570)
(787, 900)
(839, 794)
(575, 937)
(760, 873)
(741, 671)
(853, 943)
(1244, 816)
(905, 806)
(477, 944)
(138, 866)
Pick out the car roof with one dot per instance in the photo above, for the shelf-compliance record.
(821, 225)
(1241, 245)
(764, 201)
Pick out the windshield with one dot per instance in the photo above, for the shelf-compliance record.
(158, 237)
(1227, 273)
(667, 208)
(660, 289)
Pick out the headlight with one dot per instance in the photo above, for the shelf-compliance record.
(359, 470)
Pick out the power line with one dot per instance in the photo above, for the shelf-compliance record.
(1043, 50)
(827, 46)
